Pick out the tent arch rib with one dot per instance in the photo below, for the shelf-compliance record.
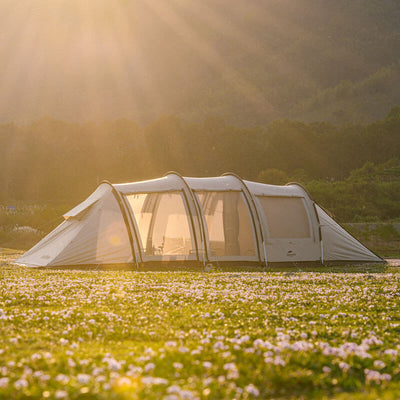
(127, 219)
(199, 218)
(252, 206)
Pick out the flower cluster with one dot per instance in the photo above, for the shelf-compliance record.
(191, 335)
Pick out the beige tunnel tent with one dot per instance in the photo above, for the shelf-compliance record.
(196, 221)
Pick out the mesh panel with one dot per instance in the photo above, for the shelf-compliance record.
(162, 223)
(228, 223)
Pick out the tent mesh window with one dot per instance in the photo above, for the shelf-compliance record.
(286, 217)
(163, 223)
(228, 223)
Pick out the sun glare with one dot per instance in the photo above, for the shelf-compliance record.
(91, 60)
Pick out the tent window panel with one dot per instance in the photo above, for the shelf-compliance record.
(143, 218)
(163, 223)
(286, 217)
(228, 223)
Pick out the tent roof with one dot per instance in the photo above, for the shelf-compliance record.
(173, 181)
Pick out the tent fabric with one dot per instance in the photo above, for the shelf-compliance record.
(99, 237)
(81, 208)
(202, 220)
(338, 244)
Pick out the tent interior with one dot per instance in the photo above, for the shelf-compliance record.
(197, 221)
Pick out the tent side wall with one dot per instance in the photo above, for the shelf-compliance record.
(289, 223)
(339, 245)
(93, 233)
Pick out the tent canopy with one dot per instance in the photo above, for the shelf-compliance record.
(197, 220)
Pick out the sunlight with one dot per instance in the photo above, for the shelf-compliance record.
(99, 56)
(91, 60)
(210, 56)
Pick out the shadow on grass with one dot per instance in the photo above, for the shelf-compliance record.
(342, 269)
(8, 256)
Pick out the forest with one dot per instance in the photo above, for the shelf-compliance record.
(353, 170)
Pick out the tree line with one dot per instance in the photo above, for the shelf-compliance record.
(52, 161)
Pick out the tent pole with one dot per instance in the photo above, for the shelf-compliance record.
(322, 252)
(199, 216)
(125, 217)
(249, 195)
(265, 255)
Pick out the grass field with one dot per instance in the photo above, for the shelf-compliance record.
(193, 335)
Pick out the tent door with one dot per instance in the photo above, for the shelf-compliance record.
(290, 232)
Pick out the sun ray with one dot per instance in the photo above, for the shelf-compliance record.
(210, 56)
(80, 59)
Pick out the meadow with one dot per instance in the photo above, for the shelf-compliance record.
(282, 334)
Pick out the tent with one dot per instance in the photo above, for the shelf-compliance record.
(196, 221)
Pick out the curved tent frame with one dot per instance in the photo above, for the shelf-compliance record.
(197, 221)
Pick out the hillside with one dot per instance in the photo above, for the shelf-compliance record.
(249, 63)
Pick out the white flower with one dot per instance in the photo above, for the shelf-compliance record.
(171, 397)
(183, 349)
(44, 378)
(390, 352)
(21, 384)
(150, 380)
(61, 394)
(232, 372)
(177, 365)
(149, 367)
(375, 376)
(36, 356)
(258, 343)
(344, 366)
(186, 395)
(379, 364)
(71, 363)
(219, 346)
(83, 379)
(97, 371)
(63, 379)
(279, 361)
(244, 339)
(4, 382)
(113, 364)
(123, 381)
(251, 389)
(174, 389)
(229, 366)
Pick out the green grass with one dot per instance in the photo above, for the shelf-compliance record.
(193, 335)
